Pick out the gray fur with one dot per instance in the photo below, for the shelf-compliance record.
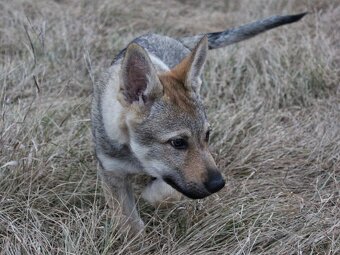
(103, 143)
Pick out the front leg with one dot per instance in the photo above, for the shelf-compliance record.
(159, 193)
(119, 195)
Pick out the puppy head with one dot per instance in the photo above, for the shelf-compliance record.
(168, 128)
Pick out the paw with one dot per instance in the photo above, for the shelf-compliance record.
(132, 226)
(137, 227)
(160, 194)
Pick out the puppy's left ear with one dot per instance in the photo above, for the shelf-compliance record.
(190, 69)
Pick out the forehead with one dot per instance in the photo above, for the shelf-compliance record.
(177, 110)
(177, 95)
(167, 112)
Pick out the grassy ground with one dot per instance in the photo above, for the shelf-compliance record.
(273, 101)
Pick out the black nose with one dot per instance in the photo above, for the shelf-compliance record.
(215, 181)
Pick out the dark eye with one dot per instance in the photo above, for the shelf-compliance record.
(179, 143)
(207, 135)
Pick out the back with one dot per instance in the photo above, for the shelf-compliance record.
(167, 49)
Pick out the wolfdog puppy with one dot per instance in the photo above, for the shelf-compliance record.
(147, 117)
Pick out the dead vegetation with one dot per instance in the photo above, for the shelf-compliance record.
(273, 101)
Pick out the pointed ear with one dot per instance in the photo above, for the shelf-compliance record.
(189, 70)
(139, 80)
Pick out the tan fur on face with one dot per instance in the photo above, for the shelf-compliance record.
(194, 167)
(176, 93)
(181, 70)
(181, 82)
(197, 164)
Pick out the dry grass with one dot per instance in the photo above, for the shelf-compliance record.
(273, 101)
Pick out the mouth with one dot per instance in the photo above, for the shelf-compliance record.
(193, 191)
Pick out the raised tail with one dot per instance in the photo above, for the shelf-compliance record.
(234, 35)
